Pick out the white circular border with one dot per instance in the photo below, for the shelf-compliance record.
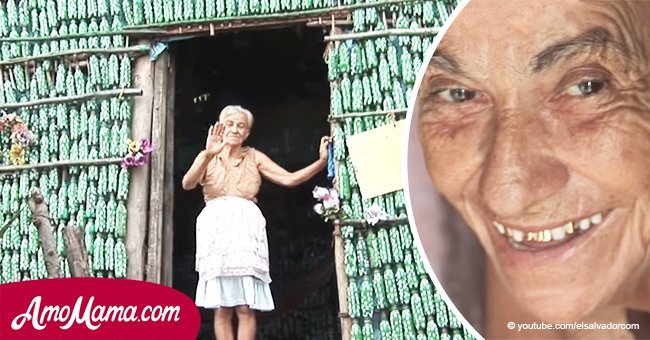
(405, 168)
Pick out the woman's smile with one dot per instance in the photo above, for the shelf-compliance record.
(535, 238)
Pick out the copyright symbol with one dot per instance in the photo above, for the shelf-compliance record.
(511, 325)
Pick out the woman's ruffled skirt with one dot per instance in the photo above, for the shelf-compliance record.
(232, 255)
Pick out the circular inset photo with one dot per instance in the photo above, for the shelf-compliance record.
(528, 167)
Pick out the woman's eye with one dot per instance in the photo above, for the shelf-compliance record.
(587, 88)
(457, 95)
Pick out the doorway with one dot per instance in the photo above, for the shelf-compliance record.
(280, 76)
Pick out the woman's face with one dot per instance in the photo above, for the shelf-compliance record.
(534, 118)
(237, 129)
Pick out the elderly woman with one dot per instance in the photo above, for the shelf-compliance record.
(232, 251)
(533, 122)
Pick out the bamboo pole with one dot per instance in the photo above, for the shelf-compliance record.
(211, 29)
(328, 22)
(71, 99)
(75, 36)
(384, 33)
(138, 200)
(135, 29)
(57, 164)
(339, 251)
(30, 66)
(85, 51)
(366, 114)
(320, 22)
(341, 282)
(364, 223)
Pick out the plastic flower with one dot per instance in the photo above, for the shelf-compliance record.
(18, 128)
(140, 159)
(134, 146)
(146, 147)
(374, 214)
(24, 138)
(319, 209)
(11, 118)
(21, 134)
(320, 193)
(331, 202)
(127, 161)
(330, 205)
(17, 154)
(139, 153)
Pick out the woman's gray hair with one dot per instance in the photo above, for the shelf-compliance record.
(235, 109)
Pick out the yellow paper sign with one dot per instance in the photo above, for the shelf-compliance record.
(376, 156)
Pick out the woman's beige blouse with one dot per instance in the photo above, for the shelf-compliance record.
(239, 177)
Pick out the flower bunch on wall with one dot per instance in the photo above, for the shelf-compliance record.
(139, 153)
(330, 205)
(21, 136)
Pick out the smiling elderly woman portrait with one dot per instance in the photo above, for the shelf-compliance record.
(533, 122)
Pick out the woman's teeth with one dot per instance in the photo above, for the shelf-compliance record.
(552, 234)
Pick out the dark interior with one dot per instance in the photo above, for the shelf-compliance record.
(280, 76)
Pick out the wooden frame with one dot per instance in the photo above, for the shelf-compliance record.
(168, 192)
(158, 169)
(138, 200)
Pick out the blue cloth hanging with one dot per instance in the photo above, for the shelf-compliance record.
(331, 170)
(157, 49)
(161, 46)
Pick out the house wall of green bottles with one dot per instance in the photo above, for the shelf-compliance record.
(76, 52)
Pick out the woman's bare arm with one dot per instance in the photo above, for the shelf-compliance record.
(276, 174)
(196, 171)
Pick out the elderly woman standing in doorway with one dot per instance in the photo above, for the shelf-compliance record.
(534, 123)
(231, 243)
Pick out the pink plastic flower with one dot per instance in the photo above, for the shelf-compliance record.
(128, 161)
(24, 138)
(145, 146)
(319, 209)
(18, 128)
(374, 214)
(331, 202)
(140, 159)
(320, 193)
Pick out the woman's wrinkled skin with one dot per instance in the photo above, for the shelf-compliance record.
(537, 113)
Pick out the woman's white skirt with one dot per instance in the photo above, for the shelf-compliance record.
(231, 291)
(232, 255)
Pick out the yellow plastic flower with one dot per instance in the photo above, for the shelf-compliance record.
(134, 146)
(17, 155)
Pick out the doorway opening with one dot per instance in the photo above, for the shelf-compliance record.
(280, 76)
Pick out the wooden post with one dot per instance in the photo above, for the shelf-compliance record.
(76, 251)
(168, 206)
(341, 282)
(138, 201)
(41, 217)
(156, 198)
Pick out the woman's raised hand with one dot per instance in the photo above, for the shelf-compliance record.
(215, 142)
(323, 149)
